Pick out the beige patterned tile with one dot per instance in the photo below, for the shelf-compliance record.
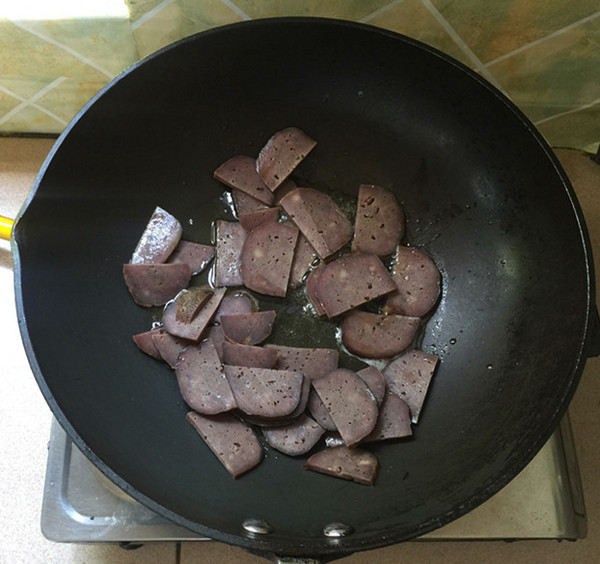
(412, 18)
(344, 9)
(577, 129)
(555, 75)
(492, 29)
(30, 119)
(106, 43)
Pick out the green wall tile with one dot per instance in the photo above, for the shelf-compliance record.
(497, 27)
(412, 18)
(555, 75)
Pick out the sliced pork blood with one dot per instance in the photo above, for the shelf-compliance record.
(169, 347)
(201, 379)
(418, 283)
(285, 188)
(409, 377)
(244, 203)
(250, 220)
(319, 219)
(155, 284)
(248, 328)
(217, 336)
(379, 224)
(282, 153)
(393, 421)
(248, 355)
(350, 281)
(266, 258)
(189, 302)
(230, 237)
(196, 255)
(354, 464)
(296, 438)
(240, 173)
(232, 441)
(313, 363)
(350, 403)
(240, 302)
(374, 379)
(264, 391)
(317, 409)
(197, 326)
(304, 257)
(159, 238)
(375, 335)
(312, 287)
(146, 344)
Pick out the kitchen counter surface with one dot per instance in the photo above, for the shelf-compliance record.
(26, 425)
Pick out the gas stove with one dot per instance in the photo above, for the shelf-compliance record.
(545, 501)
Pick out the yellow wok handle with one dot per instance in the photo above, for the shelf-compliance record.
(6, 225)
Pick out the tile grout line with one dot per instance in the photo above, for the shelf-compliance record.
(567, 112)
(542, 39)
(380, 11)
(64, 48)
(460, 42)
(150, 14)
(29, 101)
(236, 9)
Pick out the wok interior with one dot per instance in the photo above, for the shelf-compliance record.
(480, 193)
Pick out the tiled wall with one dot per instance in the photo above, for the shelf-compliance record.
(543, 54)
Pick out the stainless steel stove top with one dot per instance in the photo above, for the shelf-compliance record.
(545, 501)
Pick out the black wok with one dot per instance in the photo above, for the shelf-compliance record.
(483, 194)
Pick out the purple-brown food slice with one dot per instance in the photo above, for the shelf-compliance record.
(160, 236)
(196, 255)
(304, 257)
(376, 335)
(353, 464)
(233, 442)
(418, 283)
(145, 343)
(217, 336)
(201, 379)
(248, 355)
(312, 286)
(284, 188)
(282, 153)
(313, 363)
(244, 203)
(409, 377)
(319, 219)
(264, 391)
(169, 347)
(393, 421)
(230, 240)
(295, 438)
(317, 409)
(350, 281)
(195, 328)
(250, 220)
(350, 403)
(379, 224)
(239, 302)
(240, 173)
(189, 301)
(266, 258)
(156, 284)
(248, 328)
(374, 379)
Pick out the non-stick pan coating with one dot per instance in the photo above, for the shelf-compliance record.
(482, 194)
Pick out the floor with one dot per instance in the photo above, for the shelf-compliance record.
(26, 422)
